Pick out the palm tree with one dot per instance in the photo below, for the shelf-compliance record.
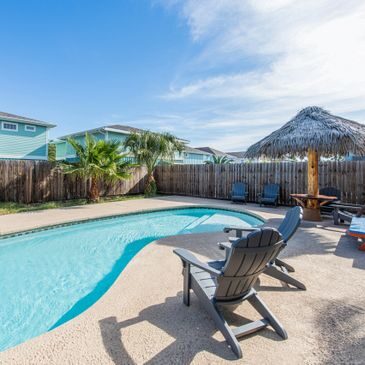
(219, 160)
(149, 149)
(51, 152)
(97, 160)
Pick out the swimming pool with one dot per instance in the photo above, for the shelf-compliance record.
(49, 277)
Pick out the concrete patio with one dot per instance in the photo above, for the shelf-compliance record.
(141, 319)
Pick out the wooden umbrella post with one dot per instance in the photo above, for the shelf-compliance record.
(312, 209)
(313, 188)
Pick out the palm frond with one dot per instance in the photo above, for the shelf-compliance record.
(98, 159)
(149, 148)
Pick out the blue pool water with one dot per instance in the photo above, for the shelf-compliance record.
(49, 277)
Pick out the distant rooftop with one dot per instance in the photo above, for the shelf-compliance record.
(118, 128)
(196, 150)
(18, 118)
(240, 154)
(215, 152)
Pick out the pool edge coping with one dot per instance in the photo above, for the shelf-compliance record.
(48, 227)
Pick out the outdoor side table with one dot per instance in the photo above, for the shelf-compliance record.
(311, 204)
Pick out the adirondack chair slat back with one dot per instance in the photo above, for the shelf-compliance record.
(246, 261)
(271, 190)
(238, 189)
(330, 191)
(290, 223)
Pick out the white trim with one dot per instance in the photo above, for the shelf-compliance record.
(22, 157)
(9, 130)
(27, 121)
(121, 131)
(33, 128)
(106, 129)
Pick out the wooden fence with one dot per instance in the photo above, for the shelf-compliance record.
(215, 181)
(40, 181)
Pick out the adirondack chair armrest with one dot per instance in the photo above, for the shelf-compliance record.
(188, 258)
(239, 230)
(224, 245)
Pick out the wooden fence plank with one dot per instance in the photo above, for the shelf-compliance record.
(215, 181)
(38, 181)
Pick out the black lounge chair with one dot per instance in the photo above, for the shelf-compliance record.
(227, 283)
(277, 268)
(239, 192)
(327, 208)
(270, 195)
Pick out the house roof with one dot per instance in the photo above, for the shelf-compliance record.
(117, 128)
(123, 128)
(18, 118)
(196, 150)
(240, 154)
(215, 152)
(211, 151)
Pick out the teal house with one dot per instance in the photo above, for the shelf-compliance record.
(193, 156)
(64, 150)
(23, 138)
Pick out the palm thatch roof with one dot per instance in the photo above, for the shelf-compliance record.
(312, 128)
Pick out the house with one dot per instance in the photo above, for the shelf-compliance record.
(23, 138)
(193, 156)
(240, 156)
(352, 157)
(64, 150)
(215, 152)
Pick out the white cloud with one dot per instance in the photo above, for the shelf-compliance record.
(292, 53)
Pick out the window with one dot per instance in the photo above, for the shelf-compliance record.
(7, 126)
(30, 128)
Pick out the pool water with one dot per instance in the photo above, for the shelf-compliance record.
(49, 277)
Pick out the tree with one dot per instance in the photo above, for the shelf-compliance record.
(97, 160)
(219, 160)
(51, 152)
(149, 149)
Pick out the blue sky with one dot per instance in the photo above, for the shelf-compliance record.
(220, 73)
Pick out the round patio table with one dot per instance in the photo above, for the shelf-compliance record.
(311, 205)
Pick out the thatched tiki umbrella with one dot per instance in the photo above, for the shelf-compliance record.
(313, 132)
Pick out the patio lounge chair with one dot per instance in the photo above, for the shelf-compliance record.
(344, 212)
(277, 268)
(239, 192)
(227, 283)
(270, 195)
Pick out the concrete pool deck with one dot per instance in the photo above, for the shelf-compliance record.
(141, 319)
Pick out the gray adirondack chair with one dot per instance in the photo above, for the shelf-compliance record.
(239, 192)
(226, 283)
(270, 195)
(276, 268)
